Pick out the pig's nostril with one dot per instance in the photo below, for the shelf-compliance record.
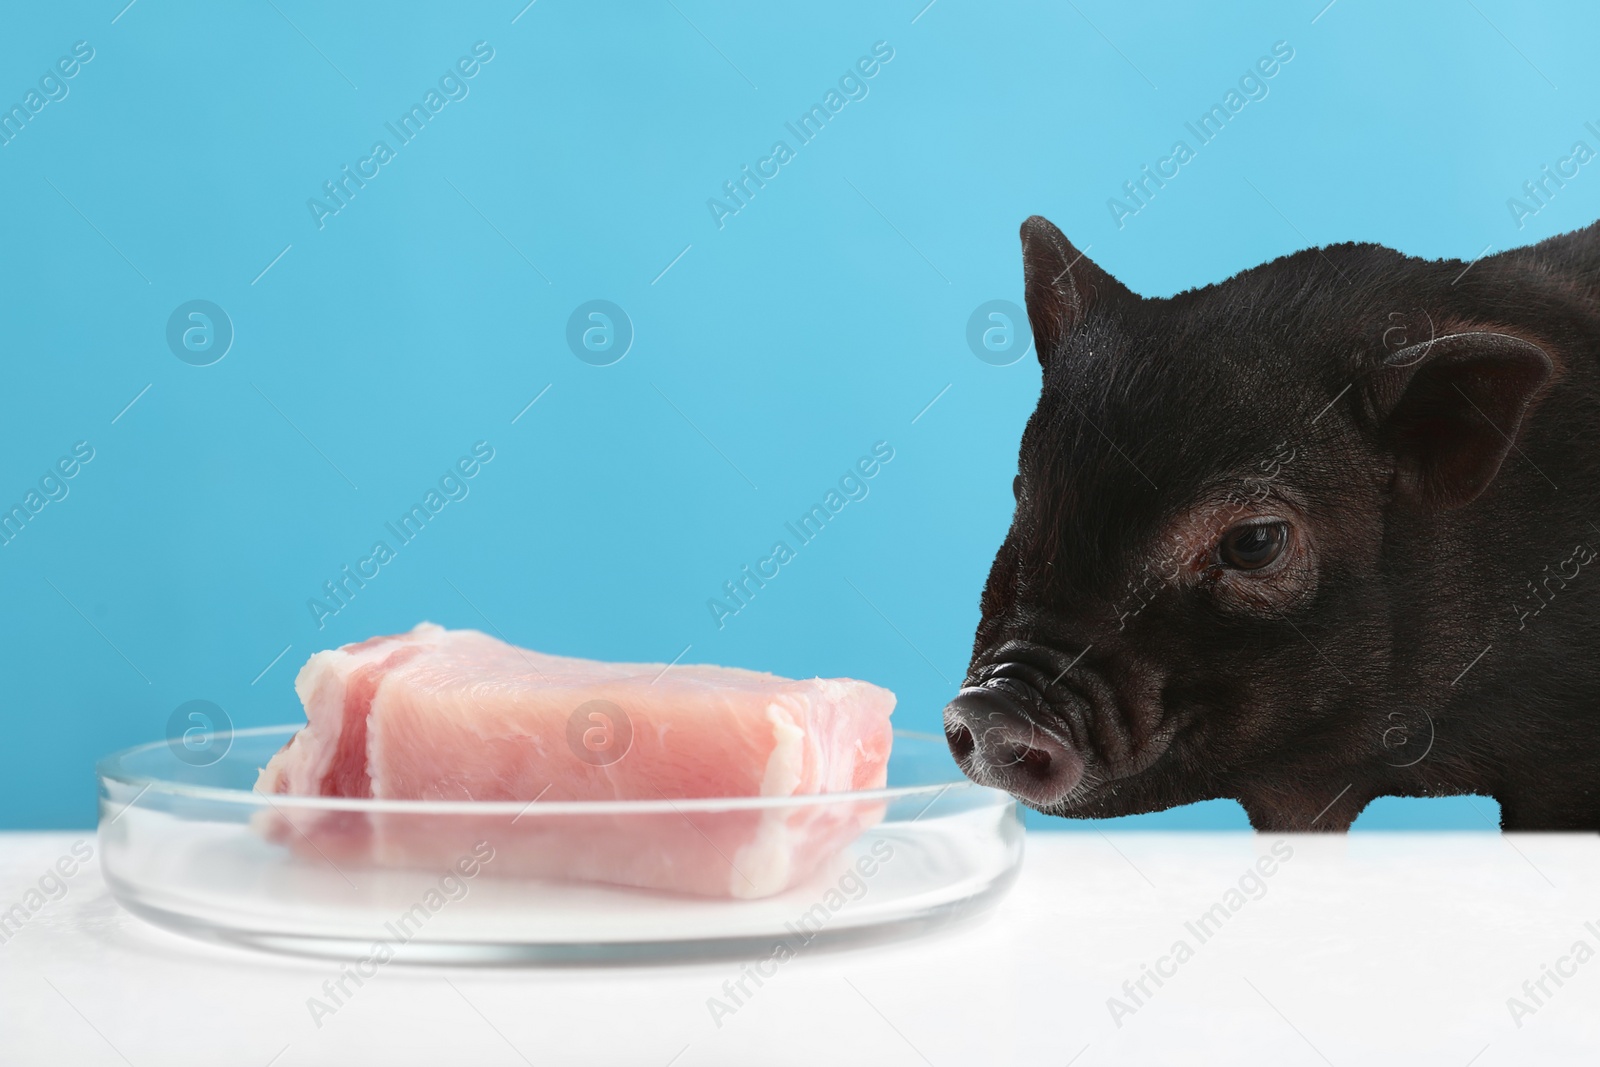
(960, 740)
(1025, 758)
(1036, 762)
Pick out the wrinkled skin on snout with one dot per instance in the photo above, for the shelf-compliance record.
(1290, 540)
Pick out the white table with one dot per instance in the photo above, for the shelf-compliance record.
(1375, 948)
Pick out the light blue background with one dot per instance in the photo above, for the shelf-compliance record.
(823, 318)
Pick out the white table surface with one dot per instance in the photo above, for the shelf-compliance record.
(1376, 948)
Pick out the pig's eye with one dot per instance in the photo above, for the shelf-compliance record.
(1252, 547)
(1016, 487)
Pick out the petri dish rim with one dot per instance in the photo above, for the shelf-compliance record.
(111, 768)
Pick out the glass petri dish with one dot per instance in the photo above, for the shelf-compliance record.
(196, 850)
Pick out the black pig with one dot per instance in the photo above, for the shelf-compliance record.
(1310, 536)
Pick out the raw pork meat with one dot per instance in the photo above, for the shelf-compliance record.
(439, 714)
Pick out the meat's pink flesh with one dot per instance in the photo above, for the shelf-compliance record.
(436, 714)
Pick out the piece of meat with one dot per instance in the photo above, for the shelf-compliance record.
(439, 714)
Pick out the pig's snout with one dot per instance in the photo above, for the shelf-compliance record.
(997, 743)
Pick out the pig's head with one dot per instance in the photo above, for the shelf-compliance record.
(1220, 502)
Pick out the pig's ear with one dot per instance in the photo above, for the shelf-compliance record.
(1451, 409)
(1061, 285)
